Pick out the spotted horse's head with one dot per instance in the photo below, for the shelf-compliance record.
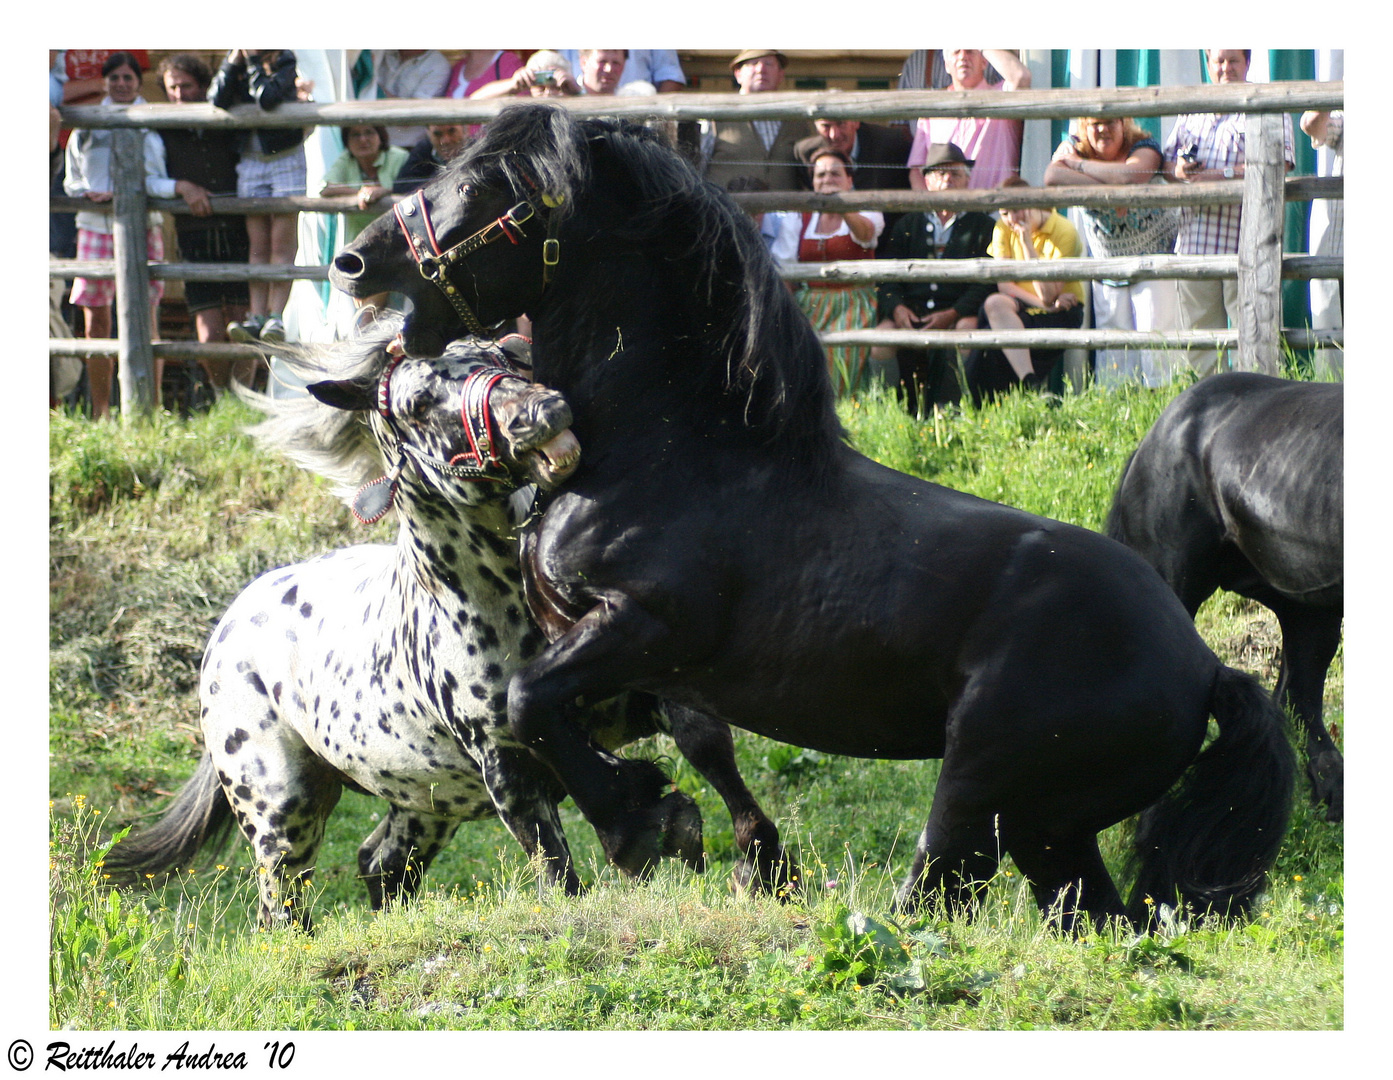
(467, 426)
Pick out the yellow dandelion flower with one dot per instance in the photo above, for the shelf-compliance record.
(488, 948)
(1297, 877)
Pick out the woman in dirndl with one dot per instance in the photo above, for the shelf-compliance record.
(88, 176)
(824, 237)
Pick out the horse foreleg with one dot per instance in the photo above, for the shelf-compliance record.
(1310, 638)
(527, 809)
(706, 743)
(623, 800)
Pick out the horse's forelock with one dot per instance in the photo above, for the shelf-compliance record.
(531, 149)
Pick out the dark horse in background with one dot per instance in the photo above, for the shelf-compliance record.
(722, 546)
(1239, 485)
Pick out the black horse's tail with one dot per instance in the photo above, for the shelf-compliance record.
(199, 817)
(1210, 842)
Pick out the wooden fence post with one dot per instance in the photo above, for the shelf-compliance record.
(1260, 247)
(134, 356)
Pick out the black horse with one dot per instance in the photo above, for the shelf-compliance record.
(1240, 486)
(722, 546)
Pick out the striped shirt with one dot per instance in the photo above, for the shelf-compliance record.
(1219, 137)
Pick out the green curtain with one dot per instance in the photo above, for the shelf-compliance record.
(1141, 67)
(1292, 64)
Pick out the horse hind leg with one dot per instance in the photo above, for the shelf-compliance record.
(285, 834)
(1310, 638)
(706, 743)
(395, 857)
(952, 863)
(1069, 880)
(281, 796)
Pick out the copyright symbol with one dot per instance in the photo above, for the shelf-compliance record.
(21, 1055)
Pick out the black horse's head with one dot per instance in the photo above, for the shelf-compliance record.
(466, 426)
(475, 246)
(635, 271)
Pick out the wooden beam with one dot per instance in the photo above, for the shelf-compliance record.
(862, 271)
(136, 363)
(1260, 247)
(1219, 193)
(1054, 104)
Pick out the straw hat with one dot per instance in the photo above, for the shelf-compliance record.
(755, 54)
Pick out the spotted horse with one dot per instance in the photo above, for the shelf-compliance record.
(384, 668)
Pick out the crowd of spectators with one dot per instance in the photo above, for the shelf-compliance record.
(826, 155)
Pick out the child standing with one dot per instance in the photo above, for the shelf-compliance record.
(272, 166)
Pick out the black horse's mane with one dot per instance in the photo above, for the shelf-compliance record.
(745, 334)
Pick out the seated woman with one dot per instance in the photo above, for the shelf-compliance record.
(367, 169)
(1029, 235)
(1119, 151)
(822, 237)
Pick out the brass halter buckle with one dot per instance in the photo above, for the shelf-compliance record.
(435, 265)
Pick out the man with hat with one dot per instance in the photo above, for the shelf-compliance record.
(760, 148)
(933, 305)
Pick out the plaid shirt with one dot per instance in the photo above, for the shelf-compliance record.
(1213, 230)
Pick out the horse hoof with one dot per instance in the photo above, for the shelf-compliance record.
(1327, 774)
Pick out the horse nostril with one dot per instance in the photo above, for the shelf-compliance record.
(348, 264)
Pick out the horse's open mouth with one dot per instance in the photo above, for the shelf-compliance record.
(557, 459)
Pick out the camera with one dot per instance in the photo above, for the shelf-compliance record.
(1191, 153)
(544, 78)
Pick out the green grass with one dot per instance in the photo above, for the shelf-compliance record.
(155, 527)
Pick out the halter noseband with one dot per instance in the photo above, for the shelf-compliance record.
(435, 265)
(479, 463)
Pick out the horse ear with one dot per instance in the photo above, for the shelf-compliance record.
(355, 395)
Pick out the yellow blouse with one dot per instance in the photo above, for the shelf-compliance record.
(1055, 239)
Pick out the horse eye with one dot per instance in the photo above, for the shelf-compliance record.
(418, 406)
(464, 191)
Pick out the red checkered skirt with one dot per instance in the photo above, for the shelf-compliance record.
(99, 292)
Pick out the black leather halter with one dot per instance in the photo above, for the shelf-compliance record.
(436, 265)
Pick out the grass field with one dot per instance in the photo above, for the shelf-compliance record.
(155, 528)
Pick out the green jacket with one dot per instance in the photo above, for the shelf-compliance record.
(909, 239)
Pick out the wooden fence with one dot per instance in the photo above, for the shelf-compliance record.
(1259, 266)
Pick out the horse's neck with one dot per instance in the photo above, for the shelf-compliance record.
(452, 552)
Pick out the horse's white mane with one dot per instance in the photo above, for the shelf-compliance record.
(335, 443)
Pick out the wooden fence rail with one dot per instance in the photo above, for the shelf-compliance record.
(1217, 193)
(860, 272)
(1053, 104)
(1259, 266)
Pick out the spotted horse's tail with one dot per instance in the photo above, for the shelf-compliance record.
(200, 817)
